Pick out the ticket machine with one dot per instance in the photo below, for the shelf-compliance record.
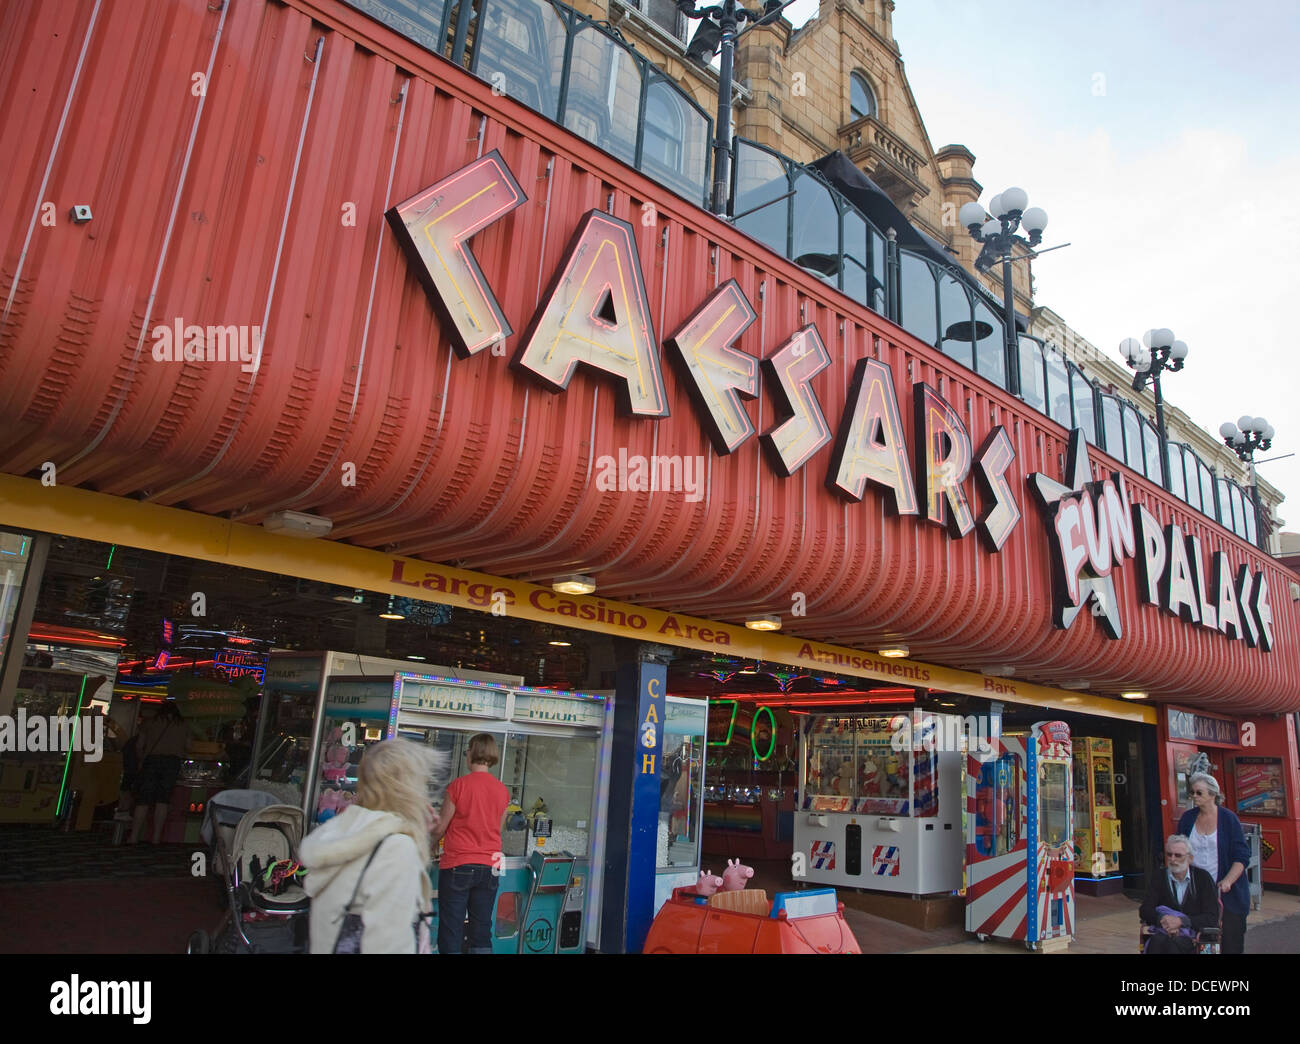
(552, 746)
(1019, 851)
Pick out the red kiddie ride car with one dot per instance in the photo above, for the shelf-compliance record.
(745, 922)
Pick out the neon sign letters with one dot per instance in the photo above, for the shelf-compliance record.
(596, 313)
(1093, 528)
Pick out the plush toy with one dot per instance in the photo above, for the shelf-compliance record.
(328, 805)
(896, 773)
(843, 783)
(870, 775)
(335, 766)
(707, 884)
(736, 876)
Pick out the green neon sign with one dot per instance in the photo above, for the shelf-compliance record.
(753, 734)
(72, 745)
(753, 743)
(731, 725)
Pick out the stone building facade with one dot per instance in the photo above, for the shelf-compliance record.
(839, 82)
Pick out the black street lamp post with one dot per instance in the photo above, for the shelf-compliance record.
(719, 28)
(998, 234)
(1244, 438)
(1155, 353)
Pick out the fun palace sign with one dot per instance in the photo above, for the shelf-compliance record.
(596, 313)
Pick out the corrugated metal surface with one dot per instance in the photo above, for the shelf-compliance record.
(231, 205)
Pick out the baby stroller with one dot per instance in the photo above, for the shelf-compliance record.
(255, 852)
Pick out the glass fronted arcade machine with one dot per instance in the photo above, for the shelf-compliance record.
(1019, 851)
(319, 711)
(681, 796)
(880, 803)
(1096, 822)
(552, 748)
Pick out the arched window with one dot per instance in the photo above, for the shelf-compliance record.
(662, 143)
(862, 99)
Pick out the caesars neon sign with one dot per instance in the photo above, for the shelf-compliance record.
(596, 313)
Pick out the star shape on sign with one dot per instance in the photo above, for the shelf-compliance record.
(1099, 589)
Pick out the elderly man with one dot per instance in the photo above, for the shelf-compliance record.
(1180, 902)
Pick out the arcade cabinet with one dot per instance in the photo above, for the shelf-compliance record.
(1019, 851)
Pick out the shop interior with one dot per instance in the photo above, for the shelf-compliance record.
(243, 655)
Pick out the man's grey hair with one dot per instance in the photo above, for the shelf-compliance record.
(1211, 784)
(1179, 839)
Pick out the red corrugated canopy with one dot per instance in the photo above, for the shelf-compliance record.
(229, 206)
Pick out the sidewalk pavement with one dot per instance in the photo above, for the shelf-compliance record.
(1117, 932)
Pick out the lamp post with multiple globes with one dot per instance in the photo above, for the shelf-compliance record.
(1244, 438)
(1156, 352)
(1011, 211)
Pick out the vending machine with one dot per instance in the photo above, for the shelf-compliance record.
(552, 746)
(1019, 850)
(1096, 823)
(880, 803)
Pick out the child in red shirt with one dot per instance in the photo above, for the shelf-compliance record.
(473, 813)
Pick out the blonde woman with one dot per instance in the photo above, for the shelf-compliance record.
(372, 858)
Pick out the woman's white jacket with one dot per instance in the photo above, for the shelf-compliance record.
(394, 893)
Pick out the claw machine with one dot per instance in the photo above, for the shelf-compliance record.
(1020, 847)
(553, 748)
(1096, 822)
(319, 711)
(880, 803)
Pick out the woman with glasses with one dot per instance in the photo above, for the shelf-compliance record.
(1219, 847)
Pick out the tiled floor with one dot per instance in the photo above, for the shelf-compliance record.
(77, 893)
(1105, 925)
(41, 854)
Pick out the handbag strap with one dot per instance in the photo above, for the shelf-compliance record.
(373, 852)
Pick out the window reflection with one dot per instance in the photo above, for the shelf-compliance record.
(1084, 414)
(862, 99)
(522, 48)
(1113, 427)
(604, 98)
(1176, 484)
(1151, 446)
(853, 275)
(675, 142)
(1032, 388)
(1238, 511)
(816, 228)
(917, 298)
(1193, 483)
(877, 301)
(1225, 503)
(1058, 388)
(1133, 440)
(990, 344)
(761, 179)
(1252, 533)
(1207, 488)
(955, 319)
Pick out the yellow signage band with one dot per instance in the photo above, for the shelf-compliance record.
(28, 505)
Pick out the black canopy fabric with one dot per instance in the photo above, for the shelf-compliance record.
(881, 211)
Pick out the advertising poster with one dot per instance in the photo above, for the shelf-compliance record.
(1260, 789)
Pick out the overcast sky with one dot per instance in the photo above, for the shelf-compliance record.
(1163, 139)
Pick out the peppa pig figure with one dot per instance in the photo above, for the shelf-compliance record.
(707, 884)
(736, 876)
